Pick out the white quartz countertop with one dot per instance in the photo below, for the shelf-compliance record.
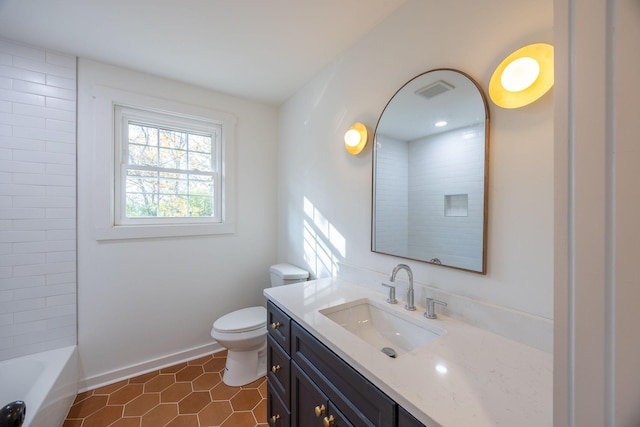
(466, 377)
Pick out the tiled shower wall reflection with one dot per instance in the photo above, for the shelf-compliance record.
(449, 164)
(414, 181)
(37, 200)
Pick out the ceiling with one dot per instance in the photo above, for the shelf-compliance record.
(410, 116)
(263, 50)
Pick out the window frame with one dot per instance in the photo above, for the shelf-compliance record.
(123, 116)
(103, 121)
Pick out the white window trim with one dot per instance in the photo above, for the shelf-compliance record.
(122, 116)
(105, 228)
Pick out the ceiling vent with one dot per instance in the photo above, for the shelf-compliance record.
(435, 89)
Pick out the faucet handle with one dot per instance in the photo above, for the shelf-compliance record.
(392, 293)
(431, 309)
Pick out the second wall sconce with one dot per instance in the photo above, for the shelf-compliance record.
(355, 139)
(523, 77)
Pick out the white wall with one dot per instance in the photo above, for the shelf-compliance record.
(37, 199)
(141, 300)
(420, 36)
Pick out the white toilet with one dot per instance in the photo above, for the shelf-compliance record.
(244, 333)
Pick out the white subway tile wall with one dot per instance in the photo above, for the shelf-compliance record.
(414, 180)
(392, 196)
(455, 240)
(37, 199)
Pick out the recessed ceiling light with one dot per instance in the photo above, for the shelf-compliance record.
(441, 123)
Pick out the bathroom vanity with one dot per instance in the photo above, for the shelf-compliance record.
(322, 374)
(316, 387)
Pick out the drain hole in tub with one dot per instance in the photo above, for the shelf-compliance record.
(389, 352)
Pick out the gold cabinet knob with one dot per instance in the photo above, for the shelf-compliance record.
(275, 418)
(275, 368)
(275, 325)
(320, 410)
(328, 421)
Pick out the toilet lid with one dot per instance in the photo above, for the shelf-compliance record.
(288, 271)
(243, 320)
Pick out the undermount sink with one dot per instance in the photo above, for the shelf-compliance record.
(382, 327)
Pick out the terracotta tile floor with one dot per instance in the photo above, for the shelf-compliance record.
(189, 394)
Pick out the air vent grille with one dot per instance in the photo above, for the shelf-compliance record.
(435, 89)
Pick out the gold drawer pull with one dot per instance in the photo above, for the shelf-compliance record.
(275, 368)
(320, 410)
(275, 325)
(275, 418)
(328, 421)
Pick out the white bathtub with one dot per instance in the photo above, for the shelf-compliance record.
(47, 382)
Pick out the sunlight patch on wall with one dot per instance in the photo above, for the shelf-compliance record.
(324, 245)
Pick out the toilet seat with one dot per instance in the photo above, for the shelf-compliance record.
(243, 320)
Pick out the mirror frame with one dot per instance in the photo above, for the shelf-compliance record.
(486, 175)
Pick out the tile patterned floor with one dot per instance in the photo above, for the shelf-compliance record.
(189, 394)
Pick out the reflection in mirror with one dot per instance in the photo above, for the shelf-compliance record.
(430, 172)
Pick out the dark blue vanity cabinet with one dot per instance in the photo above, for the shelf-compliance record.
(278, 413)
(278, 368)
(279, 326)
(405, 419)
(309, 385)
(310, 406)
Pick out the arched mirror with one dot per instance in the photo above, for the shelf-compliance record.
(430, 172)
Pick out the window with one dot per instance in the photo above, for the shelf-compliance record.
(162, 168)
(168, 168)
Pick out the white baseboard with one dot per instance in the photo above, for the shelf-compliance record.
(146, 366)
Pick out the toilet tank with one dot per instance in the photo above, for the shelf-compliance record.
(285, 274)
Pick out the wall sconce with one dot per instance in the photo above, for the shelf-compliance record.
(522, 77)
(355, 139)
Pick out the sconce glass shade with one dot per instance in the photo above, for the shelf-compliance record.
(355, 139)
(523, 77)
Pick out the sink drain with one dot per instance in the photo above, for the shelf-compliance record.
(389, 352)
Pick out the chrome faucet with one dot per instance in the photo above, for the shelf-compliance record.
(410, 305)
(431, 308)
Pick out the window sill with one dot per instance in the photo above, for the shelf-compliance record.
(123, 232)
